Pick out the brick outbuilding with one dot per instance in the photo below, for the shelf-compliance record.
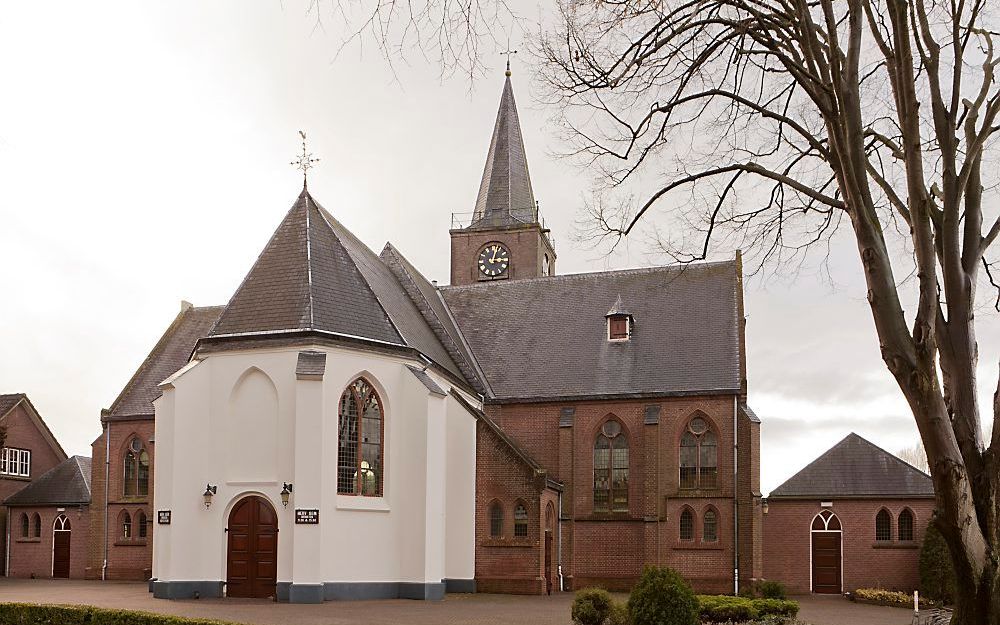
(853, 518)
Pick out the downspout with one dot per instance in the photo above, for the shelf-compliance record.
(6, 551)
(107, 475)
(736, 499)
(559, 544)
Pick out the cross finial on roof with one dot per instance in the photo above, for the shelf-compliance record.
(304, 161)
(507, 53)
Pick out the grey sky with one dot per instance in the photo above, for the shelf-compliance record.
(144, 153)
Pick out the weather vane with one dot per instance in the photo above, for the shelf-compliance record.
(304, 161)
(507, 53)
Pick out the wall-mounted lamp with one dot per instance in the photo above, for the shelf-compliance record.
(763, 506)
(286, 490)
(210, 491)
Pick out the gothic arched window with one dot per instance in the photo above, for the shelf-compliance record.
(699, 455)
(359, 447)
(686, 525)
(611, 469)
(905, 522)
(496, 520)
(520, 521)
(24, 525)
(883, 525)
(710, 527)
(126, 525)
(140, 522)
(136, 482)
(38, 525)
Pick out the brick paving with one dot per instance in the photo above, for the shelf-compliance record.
(479, 609)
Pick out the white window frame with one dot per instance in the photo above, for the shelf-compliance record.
(15, 462)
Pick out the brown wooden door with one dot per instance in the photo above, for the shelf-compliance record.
(252, 555)
(826, 562)
(60, 553)
(548, 562)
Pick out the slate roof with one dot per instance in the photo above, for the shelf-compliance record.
(314, 275)
(856, 468)
(66, 484)
(546, 338)
(8, 401)
(505, 196)
(170, 353)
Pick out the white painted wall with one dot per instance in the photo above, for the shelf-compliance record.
(242, 421)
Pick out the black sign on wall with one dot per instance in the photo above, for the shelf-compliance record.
(306, 517)
(163, 517)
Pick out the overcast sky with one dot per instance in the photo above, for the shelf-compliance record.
(144, 153)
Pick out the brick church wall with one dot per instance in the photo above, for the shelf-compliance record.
(128, 559)
(526, 243)
(866, 564)
(32, 557)
(610, 549)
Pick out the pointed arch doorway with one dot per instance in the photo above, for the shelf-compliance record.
(825, 554)
(61, 546)
(252, 551)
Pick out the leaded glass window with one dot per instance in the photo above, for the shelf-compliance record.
(699, 455)
(360, 432)
(611, 469)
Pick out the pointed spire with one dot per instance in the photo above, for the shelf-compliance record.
(618, 308)
(505, 195)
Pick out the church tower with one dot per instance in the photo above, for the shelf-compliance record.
(503, 238)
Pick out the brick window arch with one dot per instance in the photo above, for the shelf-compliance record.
(37, 523)
(883, 525)
(710, 526)
(140, 524)
(905, 523)
(686, 525)
(24, 525)
(699, 454)
(520, 520)
(611, 468)
(360, 445)
(496, 520)
(136, 469)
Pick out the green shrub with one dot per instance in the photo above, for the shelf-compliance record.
(662, 597)
(619, 614)
(723, 608)
(772, 590)
(591, 606)
(937, 576)
(29, 614)
(776, 607)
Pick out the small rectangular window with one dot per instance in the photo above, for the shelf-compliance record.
(25, 463)
(618, 328)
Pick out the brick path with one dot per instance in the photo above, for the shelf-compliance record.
(478, 609)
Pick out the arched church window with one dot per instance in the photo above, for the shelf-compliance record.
(360, 432)
(686, 525)
(710, 527)
(520, 521)
(905, 525)
(699, 456)
(883, 525)
(611, 468)
(24, 525)
(546, 270)
(140, 522)
(136, 482)
(126, 525)
(496, 520)
(37, 522)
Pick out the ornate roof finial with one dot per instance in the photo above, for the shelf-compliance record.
(507, 53)
(304, 161)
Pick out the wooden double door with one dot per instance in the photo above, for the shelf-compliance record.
(826, 562)
(252, 553)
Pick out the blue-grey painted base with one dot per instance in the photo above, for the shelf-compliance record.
(281, 591)
(187, 590)
(305, 593)
(460, 585)
(356, 591)
(151, 580)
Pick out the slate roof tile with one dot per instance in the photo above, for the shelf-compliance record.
(8, 401)
(855, 467)
(67, 483)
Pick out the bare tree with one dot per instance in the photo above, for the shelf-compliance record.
(818, 113)
(915, 455)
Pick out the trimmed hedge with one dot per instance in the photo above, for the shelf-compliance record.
(662, 597)
(591, 606)
(31, 614)
(724, 608)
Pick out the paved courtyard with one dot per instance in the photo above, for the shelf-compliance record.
(454, 610)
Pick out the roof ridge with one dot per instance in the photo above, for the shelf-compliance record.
(679, 268)
(891, 455)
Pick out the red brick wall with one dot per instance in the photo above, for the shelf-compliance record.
(527, 244)
(23, 433)
(32, 557)
(865, 564)
(610, 549)
(127, 559)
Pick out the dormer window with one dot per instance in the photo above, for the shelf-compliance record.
(620, 322)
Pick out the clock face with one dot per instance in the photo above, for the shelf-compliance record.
(494, 260)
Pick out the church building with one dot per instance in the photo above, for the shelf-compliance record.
(345, 428)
